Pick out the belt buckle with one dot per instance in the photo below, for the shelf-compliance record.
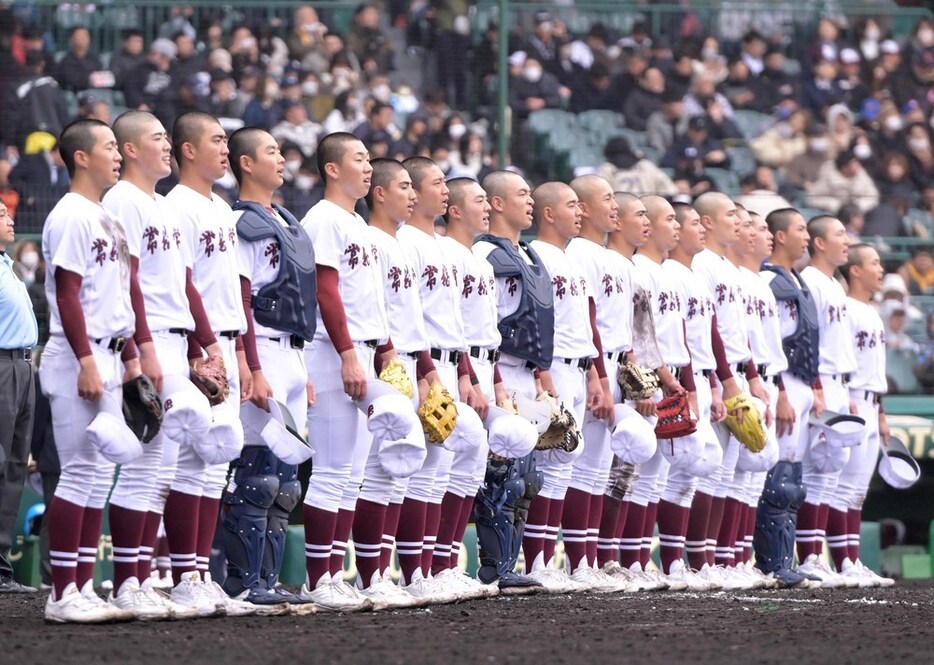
(296, 342)
(27, 355)
(117, 344)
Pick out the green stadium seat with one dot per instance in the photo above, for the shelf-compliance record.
(752, 123)
(742, 160)
(599, 118)
(726, 181)
(899, 366)
(870, 545)
(893, 557)
(916, 566)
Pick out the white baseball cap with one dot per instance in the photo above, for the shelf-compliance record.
(898, 467)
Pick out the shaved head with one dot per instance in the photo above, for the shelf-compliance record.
(710, 204)
(130, 126)
(457, 189)
(588, 186)
(625, 199)
(384, 172)
(497, 183)
(656, 206)
(781, 219)
(548, 195)
(188, 128)
(818, 227)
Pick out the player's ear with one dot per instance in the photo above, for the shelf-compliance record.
(333, 170)
(246, 164)
(497, 203)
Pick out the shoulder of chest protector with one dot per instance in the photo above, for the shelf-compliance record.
(539, 288)
(503, 258)
(298, 240)
(791, 287)
(255, 223)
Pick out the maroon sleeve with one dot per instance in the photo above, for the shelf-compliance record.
(599, 362)
(723, 367)
(194, 349)
(463, 367)
(249, 337)
(752, 371)
(425, 364)
(332, 308)
(817, 385)
(497, 378)
(142, 334)
(238, 345)
(67, 287)
(781, 383)
(378, 356)
(687, 378)
(203, 332)
(129, 351)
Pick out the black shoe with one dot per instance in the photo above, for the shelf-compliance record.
(513, 584)
(9, 585)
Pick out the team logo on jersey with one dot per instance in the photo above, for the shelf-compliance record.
(445, 276)
(207, 237)
(607, 282)
(721, 293)
(866, 339)
(468, 285)
(792, 309)
(641, 303)
(559, 282)
(177, 237)
(483, 289)
(357, 255)
(272, 251)
(574, 289)
(836, 314)
(221, 243)
(429, 274)
(512, 285)
(166, 243)
(99, 247)
(695, 307)
(151, 234)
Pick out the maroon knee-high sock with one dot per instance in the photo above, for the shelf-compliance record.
(390, 525)
(838, 536)
(551, 530)
(432, 524)
(630, 544)
(447, 526)
(726, 538)
(208, 510)
(696, 531)
(126, 531)
(147, 545)
(749, 532)
(466, 513)
(669, 534)
(575, 517)
(182, 512)
(607, 540)
(648, 532)
(806, 532)
(854, 522)
(341, 535)
(822, 516)
(65, 520)
(368, 522)
(319, 537)
(87, 548)
(713, 527)
(533, 538)
(410, 537)
(593, 527)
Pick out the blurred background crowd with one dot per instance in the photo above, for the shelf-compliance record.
(826, 106)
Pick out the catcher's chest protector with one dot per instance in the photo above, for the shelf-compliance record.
(288, 303)
(802, 346)
(529, 332)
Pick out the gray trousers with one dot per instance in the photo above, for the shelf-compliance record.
(17, 405)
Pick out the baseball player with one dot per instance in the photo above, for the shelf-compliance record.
(525, 313)
(351, 325)
(193, 485)
(82, 368)
(784, 491)
(165, 316)
(828, 248)
(391, 200)
(572, 378)
(278, 287)
(863, 272)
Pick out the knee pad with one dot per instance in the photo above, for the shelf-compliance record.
(390, 415)
(774, 538)
(277, 528)
(499, 533)
(245, 526)
(783, 487)
(468, 431)
(112, 439)
(633, 440)
(187, 413)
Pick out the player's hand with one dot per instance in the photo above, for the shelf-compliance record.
(784, 415)
(353, 375)
(310, 393)
(423, 385)
(884, 433)
(150, 365)
(548, 385)
(262, 391)
(246, 377)
(730, 389)
(717, 409)
(131, 369)
(465, 390)
(646, 408)
(90, 385)
(818, 407)
(854, 410)
(499, 392)
(480, 404)
(606, 411)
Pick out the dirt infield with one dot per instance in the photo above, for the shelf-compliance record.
(843, 626)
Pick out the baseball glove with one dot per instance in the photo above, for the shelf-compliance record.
(751, 431)
(438, 414)
(395, 375)
(637, 382)
(674, 417)
(562, 431)
(509, 406)
(210, 377)
(142, 408)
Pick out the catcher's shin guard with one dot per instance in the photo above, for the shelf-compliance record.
(277, 528)
(776, 519)
(244, 533)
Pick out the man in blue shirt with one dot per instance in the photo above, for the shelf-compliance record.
(18, 334)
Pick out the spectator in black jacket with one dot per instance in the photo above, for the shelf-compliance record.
(129, 56)
(149, 87)
(74, 70)
(644, 100)
(594, 91)
(41, 179)
(695, 149)
(533, 89)
(39, 103)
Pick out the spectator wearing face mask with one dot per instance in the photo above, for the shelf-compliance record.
(780, 144)
(296, 127)
(920, 157)
(842, 181)
(533, 89)
(26, 261)
(894, 181)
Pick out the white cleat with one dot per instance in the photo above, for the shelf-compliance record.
(711, 575)
(191, 591)
(598, 583)
(646, 580)
(329, 596)
(469, 588)
(817, 567)
(618, 572)
(118, 614)
(232, 607)
(557, 581)
(878, 580)
(74, 607)
(431, 591)
(387, 596)
(165, 583)
(681, 574)
(131, 598)
(178, 612)
(758, 580)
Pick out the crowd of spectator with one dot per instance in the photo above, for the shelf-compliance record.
(849, 118)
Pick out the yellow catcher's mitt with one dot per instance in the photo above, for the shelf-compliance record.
(438, 414)
(637, 382)
(395, 375)
(751, 431)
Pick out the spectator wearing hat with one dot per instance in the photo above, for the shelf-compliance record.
(73, 72)
(534, 89)
(851, 80)
(696, 149)
(890, 56)
(667, 123)
(630, 172)
(297, 127)
(822, 88)
(542, 44)
(842, 181)
(149, 86)
(780, 144)
(226, 101)
(367, 41)
(645, 100)
(130, 55)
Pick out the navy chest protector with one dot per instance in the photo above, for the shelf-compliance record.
(529, 332)
(289, 302)
(802, 346)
